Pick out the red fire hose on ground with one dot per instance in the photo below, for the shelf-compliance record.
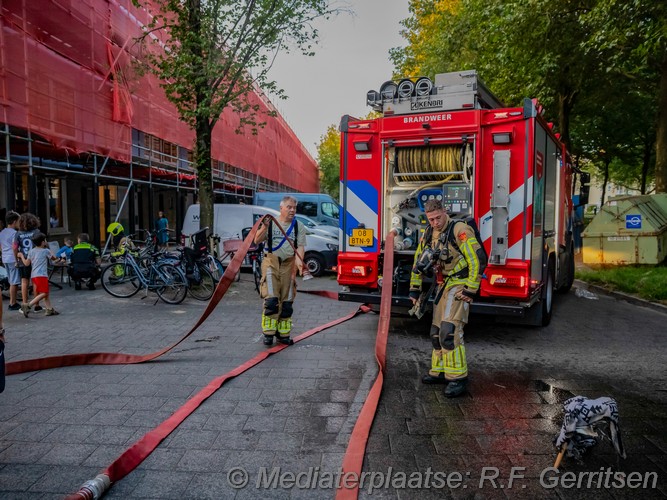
(113, 358)
(356, 448)
(140, 450)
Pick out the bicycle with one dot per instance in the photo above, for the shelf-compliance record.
(125, 277)
(216, 266)
(201, 279)
(229, 249)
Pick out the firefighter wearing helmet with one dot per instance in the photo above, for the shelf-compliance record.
(279, 265)
(120, 242)
(449, 253)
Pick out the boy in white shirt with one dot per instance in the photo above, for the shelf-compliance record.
(38, 259)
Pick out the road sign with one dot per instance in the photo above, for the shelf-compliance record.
(633, 221)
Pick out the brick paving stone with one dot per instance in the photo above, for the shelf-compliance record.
(291, 408)
(202, 460)
(237, 440)
(103, 455)
(159, 484)
(67, 454)
(213, 486)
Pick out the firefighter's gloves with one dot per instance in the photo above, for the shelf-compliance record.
(465, 295)
(417, 309)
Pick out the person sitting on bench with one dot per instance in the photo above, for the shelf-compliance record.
(85, 263)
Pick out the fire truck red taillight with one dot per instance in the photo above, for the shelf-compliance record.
(508, 281)
(358, 270)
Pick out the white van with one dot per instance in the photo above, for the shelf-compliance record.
(321, 252)
(318, 206)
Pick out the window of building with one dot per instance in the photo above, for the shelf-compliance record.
(162, 151)
(56, 194)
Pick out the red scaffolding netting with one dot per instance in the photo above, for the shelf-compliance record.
(66, 75)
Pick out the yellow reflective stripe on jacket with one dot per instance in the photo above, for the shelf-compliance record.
(468, 251)
(416, 279)
(284, 325)
(452, 363)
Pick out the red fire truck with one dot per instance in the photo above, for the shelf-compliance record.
(450, 139)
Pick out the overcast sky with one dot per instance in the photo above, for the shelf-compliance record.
(351, 58)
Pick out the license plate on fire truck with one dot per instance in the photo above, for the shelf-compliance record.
(361, 238)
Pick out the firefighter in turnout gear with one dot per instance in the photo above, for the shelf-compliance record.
(450, 254)
(279, 266)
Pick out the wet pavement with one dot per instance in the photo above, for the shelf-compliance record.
(519, 379)
(296, 410)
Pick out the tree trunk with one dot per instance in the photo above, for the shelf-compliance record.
(565, 103)
(605, 181)
(204, 175)
(648, 145)
(661, 133)
(203, 128)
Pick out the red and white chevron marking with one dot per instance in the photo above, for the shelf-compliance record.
(516, 221)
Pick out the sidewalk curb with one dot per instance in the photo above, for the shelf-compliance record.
(621, 296)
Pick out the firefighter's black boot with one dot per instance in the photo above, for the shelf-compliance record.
(430, 379)
(268, 339)
(456, 388)
(285, 340)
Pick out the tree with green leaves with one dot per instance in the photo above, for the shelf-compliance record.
(583, 59)
(328, 159)
(213, 54)
(615, 129)
(520, 49)
(632, 37)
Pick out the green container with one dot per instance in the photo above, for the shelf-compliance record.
(628, 230)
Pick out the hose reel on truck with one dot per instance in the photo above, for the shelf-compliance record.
(420, 173)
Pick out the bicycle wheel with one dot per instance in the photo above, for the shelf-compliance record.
(215, 267)
(170, 284)
(257, 274)
(204, 289)
(120, 280)
(222, 269)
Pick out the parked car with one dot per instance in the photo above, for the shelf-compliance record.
(315, 228)
(318, 206)
(229, 220)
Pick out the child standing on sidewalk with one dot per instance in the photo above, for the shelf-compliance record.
(38, 258)
(28, 228)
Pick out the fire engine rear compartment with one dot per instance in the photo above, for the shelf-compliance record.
(503, 167)
(418, 169)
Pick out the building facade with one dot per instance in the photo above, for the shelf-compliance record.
(87, 140)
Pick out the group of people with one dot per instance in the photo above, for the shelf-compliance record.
(455, 259)
(25, 255)
(451, 250)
